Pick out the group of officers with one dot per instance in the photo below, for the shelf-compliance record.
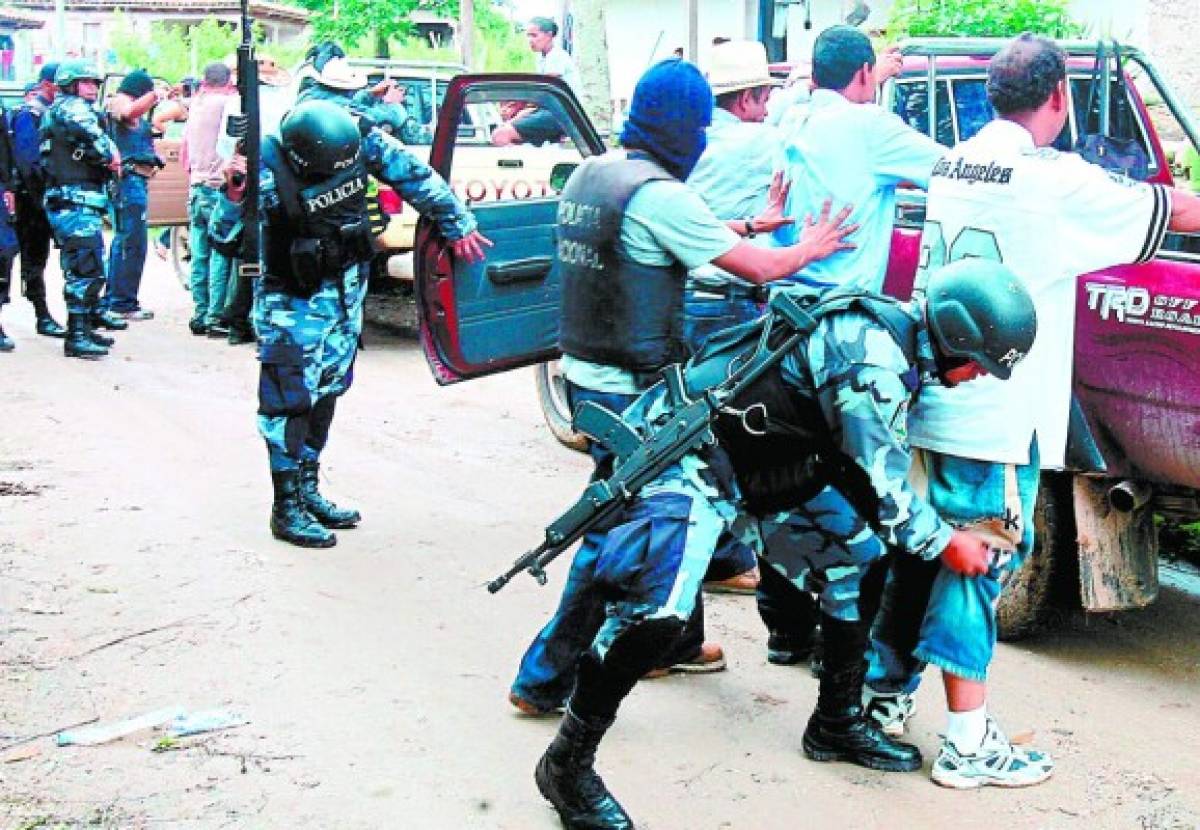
(810, 467)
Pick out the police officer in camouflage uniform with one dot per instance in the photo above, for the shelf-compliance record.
(309, 306)
(78, 159)
(33, 231)
(816, 451)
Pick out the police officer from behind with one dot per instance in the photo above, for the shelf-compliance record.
(78, 158)
(309, 306)
(628, 231)
(33, 231)
(817, 450)
(8, 237)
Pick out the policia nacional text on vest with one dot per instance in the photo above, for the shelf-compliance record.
(614, 311)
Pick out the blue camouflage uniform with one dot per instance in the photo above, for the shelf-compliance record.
(76, 211)
(651, 563)
(326, 326)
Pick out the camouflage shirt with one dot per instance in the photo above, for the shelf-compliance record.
(859, 374)
(76, 118)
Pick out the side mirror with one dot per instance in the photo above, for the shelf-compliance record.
(559, 174)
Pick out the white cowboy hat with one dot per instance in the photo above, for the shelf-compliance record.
(339, 74)
(738, 64)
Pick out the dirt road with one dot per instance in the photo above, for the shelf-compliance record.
(136, 572)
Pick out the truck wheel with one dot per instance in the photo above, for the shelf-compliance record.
(552, 396)
(1032, 592)
(181, 255)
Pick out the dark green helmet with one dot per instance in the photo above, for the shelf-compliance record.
(320, 138)
(979, 310)
(71, 71)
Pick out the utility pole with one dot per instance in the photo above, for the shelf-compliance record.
(591, 56)
(60, 29)
(466, 32)
(693, 31)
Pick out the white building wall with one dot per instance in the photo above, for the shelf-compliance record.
(642, 32)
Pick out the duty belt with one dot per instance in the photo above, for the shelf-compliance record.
(730, 291)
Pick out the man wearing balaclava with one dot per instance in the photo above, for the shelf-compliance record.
(628, 231)
(130, 128)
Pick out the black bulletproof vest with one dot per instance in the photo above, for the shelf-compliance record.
(775, 435)
(65, 158)
(322, 213)
(614, 311)
(6, 154)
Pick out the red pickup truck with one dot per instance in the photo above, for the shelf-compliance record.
(1137, 327)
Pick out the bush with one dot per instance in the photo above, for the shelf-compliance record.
(982, 18)
(169, 50)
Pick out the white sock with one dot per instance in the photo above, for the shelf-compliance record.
(966, 730)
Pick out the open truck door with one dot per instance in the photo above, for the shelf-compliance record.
(502, 313)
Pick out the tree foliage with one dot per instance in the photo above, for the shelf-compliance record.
(982, 18)
(170, 49)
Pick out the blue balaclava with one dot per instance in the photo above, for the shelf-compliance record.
(672, 105)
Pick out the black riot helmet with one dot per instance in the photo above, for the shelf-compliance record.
(320, 138)
(979, 310)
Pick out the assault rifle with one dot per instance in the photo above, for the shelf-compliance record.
(640, 459)
(249, 130)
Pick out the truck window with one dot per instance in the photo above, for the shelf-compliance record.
(512, 148)
(971, 106)
(912, 105)
(1124, 121)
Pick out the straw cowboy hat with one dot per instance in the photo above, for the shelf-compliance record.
(738, 64)
(339, 74)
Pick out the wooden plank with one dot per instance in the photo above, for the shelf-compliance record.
(1118, 552)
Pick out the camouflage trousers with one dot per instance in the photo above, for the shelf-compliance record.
(307, 347)
(77, 232)
(824, 546)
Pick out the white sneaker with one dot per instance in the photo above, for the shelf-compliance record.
(997, 763)
(889, 711)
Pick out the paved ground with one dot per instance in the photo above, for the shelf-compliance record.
(136, 572)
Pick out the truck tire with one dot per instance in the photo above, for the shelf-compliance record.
(552, 396)
(181, 255)
(1030, 594)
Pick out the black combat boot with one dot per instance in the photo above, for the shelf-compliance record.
(47, 326)
(564, 775)
(240, 333)
(319, 507)
(6, 344)
(289, 520)
(105, 319)
(78, 342)
(837, 730)
(96, 337)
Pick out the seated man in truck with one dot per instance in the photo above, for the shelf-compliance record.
(1004, 195)
(816, 448)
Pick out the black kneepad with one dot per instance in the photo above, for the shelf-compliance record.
(84, 255)
(281, 389)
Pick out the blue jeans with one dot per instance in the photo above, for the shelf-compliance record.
(932, 615)
(704, 313)
(127, 255)
(210, 270)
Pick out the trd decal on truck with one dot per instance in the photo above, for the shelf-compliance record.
(1140, 307)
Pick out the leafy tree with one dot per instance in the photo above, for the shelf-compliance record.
(170, 49)
(982, 18)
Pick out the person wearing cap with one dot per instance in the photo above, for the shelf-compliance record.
(537, 126)
(79, 159)
(844, 147)
(130, 128)
(623, 322)
(33, 229)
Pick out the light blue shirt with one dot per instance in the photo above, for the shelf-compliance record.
(734, 173)
(853, 154)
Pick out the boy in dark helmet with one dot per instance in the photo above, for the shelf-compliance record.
(308, 313)
(816, 453)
